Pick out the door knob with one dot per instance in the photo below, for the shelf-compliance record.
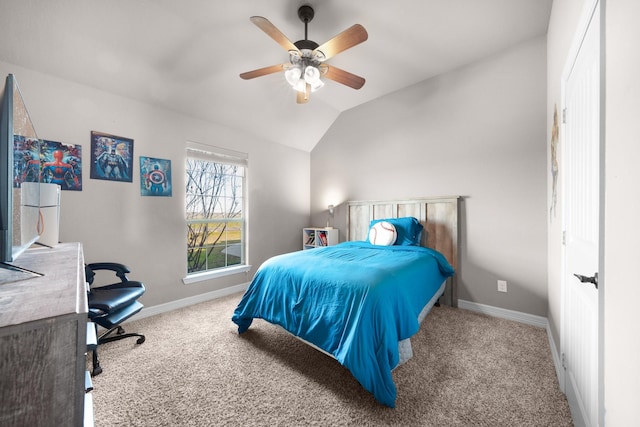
(586, 279)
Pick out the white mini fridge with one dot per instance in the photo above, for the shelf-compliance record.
(42, 201)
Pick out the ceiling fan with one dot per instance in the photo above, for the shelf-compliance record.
(306, 65)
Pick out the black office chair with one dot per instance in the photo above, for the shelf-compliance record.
(110, 305)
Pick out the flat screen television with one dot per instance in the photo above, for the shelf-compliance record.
(19, 183)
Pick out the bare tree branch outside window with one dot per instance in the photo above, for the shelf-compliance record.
(214, 213)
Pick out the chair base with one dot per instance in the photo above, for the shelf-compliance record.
(107, 337)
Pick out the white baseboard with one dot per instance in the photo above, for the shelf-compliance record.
(185, 302)
(503, 313)
(557, 360)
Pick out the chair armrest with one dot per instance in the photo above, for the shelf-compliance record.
(120, 269)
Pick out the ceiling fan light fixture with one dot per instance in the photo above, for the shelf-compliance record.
(293, 75)
(317, 85)
(311, 74)
(299, 79)
(300, 85)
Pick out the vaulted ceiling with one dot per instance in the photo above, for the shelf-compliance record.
(186, 55)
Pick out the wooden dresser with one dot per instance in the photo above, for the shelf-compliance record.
(43, 337)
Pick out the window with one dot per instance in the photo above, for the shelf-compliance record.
(215, 211)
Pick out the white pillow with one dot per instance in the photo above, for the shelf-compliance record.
(383, 233)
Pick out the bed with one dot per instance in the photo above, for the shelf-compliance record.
(361, 302)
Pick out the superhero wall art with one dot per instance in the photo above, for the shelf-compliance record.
(111, 157)
(155, 177)
(52, 162)
(61, 164)
(26, 160)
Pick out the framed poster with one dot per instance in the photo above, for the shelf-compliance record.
(111, 157)
(26, 160)
(155, 177)
(61, 164)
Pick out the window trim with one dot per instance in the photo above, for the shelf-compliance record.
(216, 154)
(225, 156)
(201, 276)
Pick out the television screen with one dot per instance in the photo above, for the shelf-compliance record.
(19, 205)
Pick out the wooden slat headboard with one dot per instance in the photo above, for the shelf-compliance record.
(440, 219)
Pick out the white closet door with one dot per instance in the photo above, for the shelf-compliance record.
(581, 170)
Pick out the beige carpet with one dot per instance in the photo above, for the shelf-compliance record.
(195, 370)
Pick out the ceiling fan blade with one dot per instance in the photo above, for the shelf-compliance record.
(265, 25)
(263, 71)
(303, 97)
(350, 37)
(344, 77)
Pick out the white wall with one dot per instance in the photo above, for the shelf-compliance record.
(478, 132)
(115, 223)
(622, 211)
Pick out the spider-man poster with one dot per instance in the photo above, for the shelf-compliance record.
(52, 162)
(61, 164)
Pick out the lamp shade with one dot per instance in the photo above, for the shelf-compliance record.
(316, 85)
(293, 75)
(311, 74)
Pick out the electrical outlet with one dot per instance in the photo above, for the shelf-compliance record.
(502, 286)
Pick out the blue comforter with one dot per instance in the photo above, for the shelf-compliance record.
(353, 300)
